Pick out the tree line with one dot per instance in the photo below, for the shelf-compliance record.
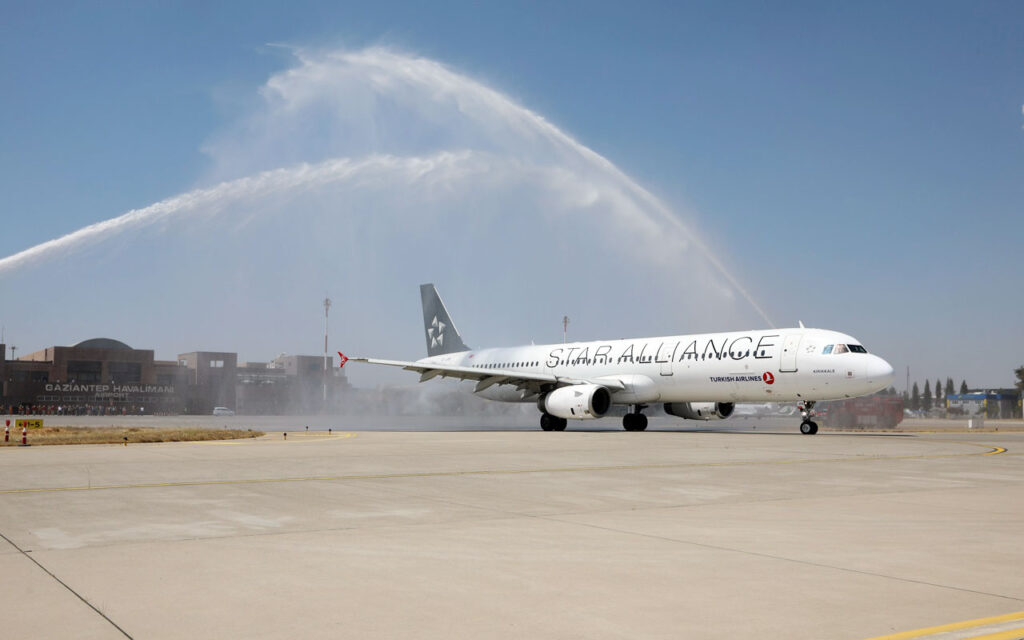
(918, 400)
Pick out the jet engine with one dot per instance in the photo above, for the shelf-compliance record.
(577, 402)
(700, 410)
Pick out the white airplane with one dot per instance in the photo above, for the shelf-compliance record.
(697, 377)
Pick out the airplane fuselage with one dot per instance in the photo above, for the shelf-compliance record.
(745, 366)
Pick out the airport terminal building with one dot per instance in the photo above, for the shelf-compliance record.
(107, 377)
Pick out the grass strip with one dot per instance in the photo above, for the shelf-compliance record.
(120, 435)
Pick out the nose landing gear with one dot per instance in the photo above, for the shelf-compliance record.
(808, 427)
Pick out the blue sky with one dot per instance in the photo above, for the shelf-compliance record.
(858, 166)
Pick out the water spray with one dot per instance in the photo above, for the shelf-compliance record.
(513, 142)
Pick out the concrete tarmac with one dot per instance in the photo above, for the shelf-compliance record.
(513, 533)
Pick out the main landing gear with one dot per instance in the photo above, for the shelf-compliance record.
(635, 421)
(549, 422)
(808, 427)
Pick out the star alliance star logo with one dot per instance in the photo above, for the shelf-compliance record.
(436, 333)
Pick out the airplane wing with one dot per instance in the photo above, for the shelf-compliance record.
(532, 382)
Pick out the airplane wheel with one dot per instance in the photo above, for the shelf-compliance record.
(560, 424)
(641, 422)
(634, 422)
(808, 427)
(547, 421)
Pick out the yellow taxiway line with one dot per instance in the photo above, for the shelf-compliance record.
(297, 436)
(1005, 634)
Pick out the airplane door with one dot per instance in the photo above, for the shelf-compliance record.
(789, 348)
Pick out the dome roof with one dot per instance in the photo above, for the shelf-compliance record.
(102, 343)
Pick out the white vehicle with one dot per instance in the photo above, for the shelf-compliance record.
(222, 411)
(697, 377)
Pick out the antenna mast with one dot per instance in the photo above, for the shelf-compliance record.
(327, 309)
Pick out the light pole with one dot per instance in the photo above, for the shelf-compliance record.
(565, 328)
(327, 309)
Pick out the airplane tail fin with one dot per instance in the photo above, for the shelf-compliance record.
(442, 336)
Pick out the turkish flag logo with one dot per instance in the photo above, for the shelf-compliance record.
(768, 377)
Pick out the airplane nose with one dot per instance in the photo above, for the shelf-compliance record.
(879, 372)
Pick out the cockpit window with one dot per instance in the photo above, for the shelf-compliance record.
(840, 348)
(827, 350)
(856, 348)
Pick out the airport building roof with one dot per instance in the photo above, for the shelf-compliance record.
(103, 343)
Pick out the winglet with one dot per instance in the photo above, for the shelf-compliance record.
(342, 359)
(801, 323)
